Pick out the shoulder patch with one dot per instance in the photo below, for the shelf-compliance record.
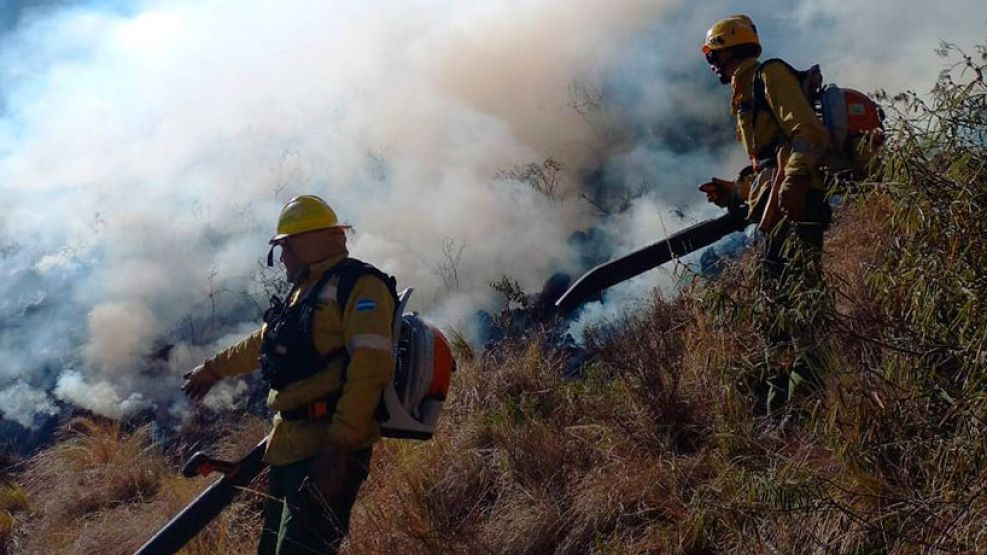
(365, 305)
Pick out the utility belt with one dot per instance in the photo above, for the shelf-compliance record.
(321, 409)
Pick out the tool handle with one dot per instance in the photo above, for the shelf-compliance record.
(201, 464)
(204, 508)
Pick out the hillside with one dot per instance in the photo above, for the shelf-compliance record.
(655, 447)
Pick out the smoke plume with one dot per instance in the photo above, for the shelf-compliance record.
(147, 146)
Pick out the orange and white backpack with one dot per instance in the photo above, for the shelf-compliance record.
(854, 121)
(423, 370)
(410, 405)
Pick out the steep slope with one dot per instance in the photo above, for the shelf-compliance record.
(656, 447)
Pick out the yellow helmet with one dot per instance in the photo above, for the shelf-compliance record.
(732, 31)
(303, 214)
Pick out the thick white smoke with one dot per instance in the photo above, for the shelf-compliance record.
(145, 152)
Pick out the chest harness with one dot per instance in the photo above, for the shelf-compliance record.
(288, 353)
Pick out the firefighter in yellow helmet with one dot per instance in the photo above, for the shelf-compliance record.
(327, 366)
(783, 185)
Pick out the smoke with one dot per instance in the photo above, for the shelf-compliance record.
(101, 397)
(20, 403)
(119, 336)
(146, 147)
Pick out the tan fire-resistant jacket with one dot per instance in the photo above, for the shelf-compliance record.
(788, 123)
(367, 335)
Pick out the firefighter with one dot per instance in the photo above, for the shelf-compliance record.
(327, 366)
(783, 187)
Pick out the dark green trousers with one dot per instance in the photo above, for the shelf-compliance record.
(295, 523)
(791, 276)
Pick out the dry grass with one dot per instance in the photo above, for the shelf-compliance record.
(102, 489)
(656, 448)
(13, 502)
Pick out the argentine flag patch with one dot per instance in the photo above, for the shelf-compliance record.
(365, 305)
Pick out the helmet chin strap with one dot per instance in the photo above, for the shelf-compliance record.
(270, 257)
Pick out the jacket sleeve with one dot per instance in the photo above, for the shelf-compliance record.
(367, 331)
(238, 359)
(797, 119)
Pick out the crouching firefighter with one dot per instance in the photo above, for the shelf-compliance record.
(783, 188)
(327, 366)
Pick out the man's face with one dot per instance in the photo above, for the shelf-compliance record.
(293, 264)
(720, 65)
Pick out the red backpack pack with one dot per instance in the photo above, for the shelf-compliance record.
(855, 122)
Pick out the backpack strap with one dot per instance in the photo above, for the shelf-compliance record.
(350, 270)
(312, 297)
(760, 100)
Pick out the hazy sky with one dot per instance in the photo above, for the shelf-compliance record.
(146, 147)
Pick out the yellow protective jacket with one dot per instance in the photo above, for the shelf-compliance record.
(366, 335)
(787, 122)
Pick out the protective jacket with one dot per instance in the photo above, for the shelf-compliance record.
(364, 329)
(787, 124)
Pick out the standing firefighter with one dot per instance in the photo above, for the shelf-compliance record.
(784, 188)
(327, 366)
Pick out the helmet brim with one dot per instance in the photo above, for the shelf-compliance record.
(282, 236)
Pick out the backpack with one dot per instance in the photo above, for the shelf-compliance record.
(410, 405)
(854, 122)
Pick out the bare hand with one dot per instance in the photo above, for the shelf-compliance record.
(198, 382)
(718, 191)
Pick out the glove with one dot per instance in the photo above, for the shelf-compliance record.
(792, 197)
(718, 191)
(198, 382)
(328, 471)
